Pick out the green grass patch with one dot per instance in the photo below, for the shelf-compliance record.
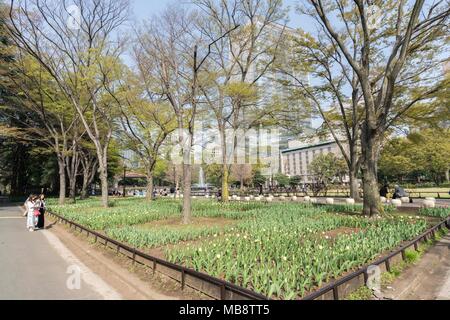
(435, 212)
(363, 293)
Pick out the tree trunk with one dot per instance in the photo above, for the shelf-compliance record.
(447, 175)
(177, 184)
(225, 191)
(83, 194)
(104, 185)
(225, 171)
(149, 196)
(187, 184)
(62, 181)
(354, 186)
(372, 202)
(72, 187)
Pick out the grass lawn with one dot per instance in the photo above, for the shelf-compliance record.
(282, 250)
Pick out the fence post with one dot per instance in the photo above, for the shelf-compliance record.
(182, 279)
(388, 265)
(335, 293)
(222, 292)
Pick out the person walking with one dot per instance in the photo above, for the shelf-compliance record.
(40, 203)
(32, 212)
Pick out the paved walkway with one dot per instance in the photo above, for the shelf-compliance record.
(428, 280)
(36, 265)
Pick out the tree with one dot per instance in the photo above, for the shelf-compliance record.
(83, 59)
(238, 61)
(326, 170)
(13, 150)
(295, 181)
(146, 124)
(282, 180)
(258, 179)
(89, 164)
(423, 153)
(242, 173)
(335, 95)
(396, 65)
(55, 124)
(173, 174)
(174, 53)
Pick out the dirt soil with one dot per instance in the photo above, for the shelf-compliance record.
(332, 234)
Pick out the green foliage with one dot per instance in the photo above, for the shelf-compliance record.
(411, 256)
(282, 180)
(425, 153)
(363, 293)
(435, 212)
(295, 181)
(327, 169)
(258, 178)
(155, 237)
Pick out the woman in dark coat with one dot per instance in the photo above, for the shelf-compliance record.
(41, 217)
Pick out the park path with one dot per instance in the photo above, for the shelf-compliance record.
(429, 279)
(35, 265)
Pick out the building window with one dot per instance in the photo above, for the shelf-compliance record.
(288, 171)
(295, 163)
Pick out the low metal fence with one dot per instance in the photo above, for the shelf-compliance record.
(223, 290)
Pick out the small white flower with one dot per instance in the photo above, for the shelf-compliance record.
(320, 247)
(218, 256)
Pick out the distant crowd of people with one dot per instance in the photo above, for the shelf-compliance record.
(34, 211)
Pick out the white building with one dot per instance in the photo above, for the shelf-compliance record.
(298, 157)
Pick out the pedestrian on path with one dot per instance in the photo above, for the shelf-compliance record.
(40, 203)
(32, 212)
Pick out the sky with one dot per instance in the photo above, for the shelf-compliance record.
(144, 9)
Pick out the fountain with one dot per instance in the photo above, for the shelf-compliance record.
(201, 178)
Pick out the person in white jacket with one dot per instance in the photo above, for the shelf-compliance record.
(31, 206)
